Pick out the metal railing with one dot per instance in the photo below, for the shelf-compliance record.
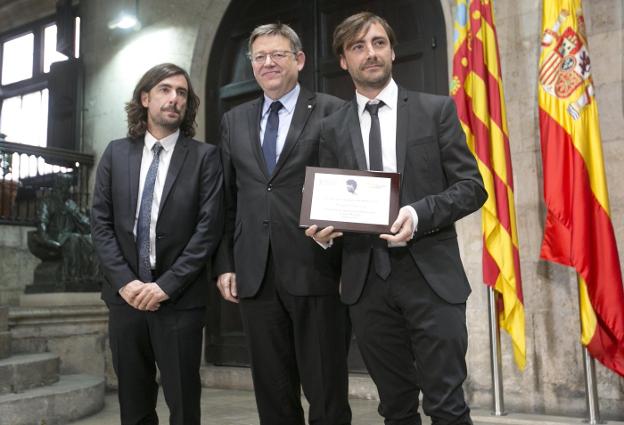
(27, 172)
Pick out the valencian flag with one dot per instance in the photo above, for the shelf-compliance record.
(477, 88)
(578, 230)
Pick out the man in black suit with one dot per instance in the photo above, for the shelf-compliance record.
(157, 217)
(407, 290)
(297, 330)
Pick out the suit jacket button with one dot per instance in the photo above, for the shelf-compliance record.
(265, 222)
(269, 188)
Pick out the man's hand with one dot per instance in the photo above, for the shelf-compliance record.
(402, 228)
(130, 291)
(150, 297)
(226, 283)
(323, 236)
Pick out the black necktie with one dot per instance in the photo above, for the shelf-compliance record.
(269, 142)
(381, 256)
(374, 138)
(145, 215)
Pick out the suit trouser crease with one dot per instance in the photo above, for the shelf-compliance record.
(412, 340)
(168, 338)
(294, 342)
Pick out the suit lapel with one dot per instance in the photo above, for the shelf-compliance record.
(177, 159)
(401, 131)
(306, 102)
(355, 134)
(135, 155)
(253, 125)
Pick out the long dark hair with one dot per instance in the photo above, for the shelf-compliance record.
(137, 113)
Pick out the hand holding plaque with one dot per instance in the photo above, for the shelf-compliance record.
(350, 200)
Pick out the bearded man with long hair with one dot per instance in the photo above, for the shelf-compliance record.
(157, 218)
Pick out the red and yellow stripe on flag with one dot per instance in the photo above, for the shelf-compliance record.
(578, 230)
(477, 88)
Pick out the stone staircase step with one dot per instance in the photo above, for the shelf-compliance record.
(22, 372)
(72, 397)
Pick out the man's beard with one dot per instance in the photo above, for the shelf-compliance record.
(377, 82)
(173, 123)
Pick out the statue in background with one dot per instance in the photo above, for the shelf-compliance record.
(63, 242)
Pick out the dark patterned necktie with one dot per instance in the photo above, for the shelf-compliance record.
(381, 256)
(269, 142)
(145, 215)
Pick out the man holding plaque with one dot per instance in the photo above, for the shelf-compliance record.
(406, 290)
(296, 327)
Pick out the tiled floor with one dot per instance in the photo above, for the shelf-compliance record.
(235, 407)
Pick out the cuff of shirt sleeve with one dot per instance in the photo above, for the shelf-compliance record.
(412, 211)
(325, 245)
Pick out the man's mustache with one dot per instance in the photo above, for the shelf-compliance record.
(371, 62)
(171, 108)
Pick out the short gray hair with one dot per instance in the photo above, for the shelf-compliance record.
(276, 29)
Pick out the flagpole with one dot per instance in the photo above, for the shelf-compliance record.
(591, 386)
(498, 403)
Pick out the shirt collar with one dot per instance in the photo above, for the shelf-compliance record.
(289, 100)
(389, 96)
(167, 143)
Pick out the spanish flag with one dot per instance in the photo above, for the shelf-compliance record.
(477, 88)
(578, 230)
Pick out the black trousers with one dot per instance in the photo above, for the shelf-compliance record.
(169, 338)
(294, 342)
(411, 340)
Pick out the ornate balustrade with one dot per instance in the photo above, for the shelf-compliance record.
(27, 172)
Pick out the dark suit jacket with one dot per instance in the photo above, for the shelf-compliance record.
(439, 178)
(190, 219)
(262, 211)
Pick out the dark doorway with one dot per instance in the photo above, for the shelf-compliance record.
(420, 64)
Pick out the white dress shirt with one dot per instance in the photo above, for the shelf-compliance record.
(168, 143)
(388, 127)
(387, 124)
(289, 101)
